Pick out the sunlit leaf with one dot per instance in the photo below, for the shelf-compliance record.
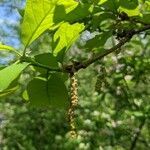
(101, 1)
(8, 48)
(38, 17)
(131, 8)
(25, 95)
(10, 73)
(130, 12)
(8, 91)
(65, 36)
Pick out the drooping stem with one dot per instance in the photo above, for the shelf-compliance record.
(73, 105)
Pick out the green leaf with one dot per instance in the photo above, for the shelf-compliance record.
(5, 47)
(100, 18)
(131, 8)
(46, 59)
(38, 17)
(21, 12)
(64, 76)
(47, 92)
(65, 36)
(2, 67)
(8, 91)
(72, 14)
(98, 41)
(10, 73)
(130, 12)
(129, 4)
(8, 48)
(101, 2)
(145, 18)
(110, 5)
(25, 95)
(79, 12)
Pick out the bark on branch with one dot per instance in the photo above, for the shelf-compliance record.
(125, 39)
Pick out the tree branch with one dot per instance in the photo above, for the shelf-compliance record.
(35, 63)
(125, 39)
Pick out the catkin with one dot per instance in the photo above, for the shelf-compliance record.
(73, 105)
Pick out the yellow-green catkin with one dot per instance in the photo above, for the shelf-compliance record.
(73, 105)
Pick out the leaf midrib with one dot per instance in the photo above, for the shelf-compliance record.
(37, 27)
